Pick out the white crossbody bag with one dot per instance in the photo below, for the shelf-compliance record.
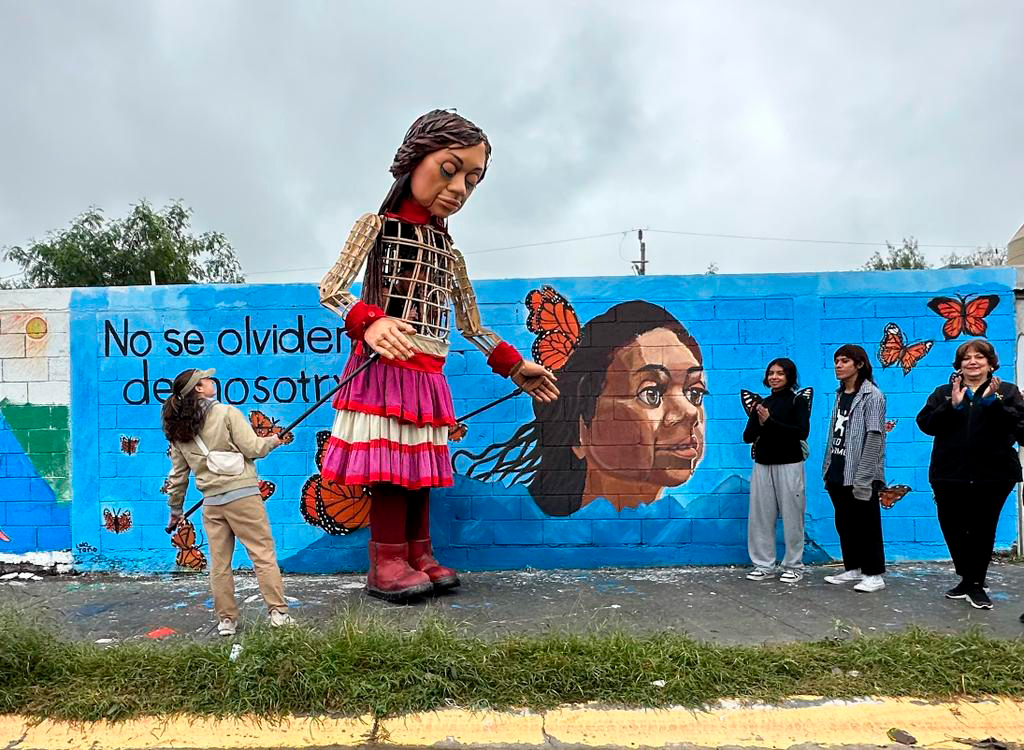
(226, 463)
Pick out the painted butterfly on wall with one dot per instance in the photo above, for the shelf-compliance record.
(4, 537)
(964, 315)
(336, 508)
(184, 540)
(117, 520)
(890, 424)
(129, 445)
(264, 426)
(889, 496)
(267, 489)
(893, 351)
(554, 321)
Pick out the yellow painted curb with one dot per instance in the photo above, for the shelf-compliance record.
(864, 721)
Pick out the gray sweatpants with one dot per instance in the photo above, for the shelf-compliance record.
(773, 490)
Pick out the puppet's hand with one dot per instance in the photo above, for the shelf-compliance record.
(388, 338)
(536, 380)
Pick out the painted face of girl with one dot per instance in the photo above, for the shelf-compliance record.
(444, 180)
(648, 426)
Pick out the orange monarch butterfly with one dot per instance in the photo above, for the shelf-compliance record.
(554, 321)
(264, 426)
(184, 539)
(4, 537)
(889, 496)
(964, 315)
(117, 520)
(890, 424)
(892, 350)
(267, 489)
(129, 445)
(336, 508)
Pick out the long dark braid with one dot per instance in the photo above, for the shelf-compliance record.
(437, 129)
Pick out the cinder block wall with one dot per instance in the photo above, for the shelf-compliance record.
(275, 350)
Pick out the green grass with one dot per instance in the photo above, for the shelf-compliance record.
(359, 666)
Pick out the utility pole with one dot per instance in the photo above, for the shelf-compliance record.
(640, 266)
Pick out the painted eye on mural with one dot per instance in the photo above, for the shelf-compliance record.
(696, 395)
(650, 395)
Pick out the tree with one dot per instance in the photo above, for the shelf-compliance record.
(96, 251)
(904, 257)
(712, 269)
(980, 256)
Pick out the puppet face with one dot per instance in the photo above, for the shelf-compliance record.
(444, 180)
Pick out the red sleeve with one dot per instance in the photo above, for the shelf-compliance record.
(504, 358)
(359, 319)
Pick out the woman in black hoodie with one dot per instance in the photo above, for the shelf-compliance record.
(975, 420)
(777, 427)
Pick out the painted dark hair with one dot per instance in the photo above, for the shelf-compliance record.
(860, 358)
(540, 453)
(182, 414)
(788, 369)
(983, 347)
(437, 129)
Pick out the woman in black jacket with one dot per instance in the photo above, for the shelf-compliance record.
(975, 420)
(777, 427)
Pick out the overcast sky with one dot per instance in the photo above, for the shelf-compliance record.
(276, 122)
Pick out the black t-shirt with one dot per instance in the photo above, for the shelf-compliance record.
(837, 441)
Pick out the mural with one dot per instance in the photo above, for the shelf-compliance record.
(630, 421)
(35, 472)
(643, 460)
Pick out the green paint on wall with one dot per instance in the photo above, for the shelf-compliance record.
(44, 433)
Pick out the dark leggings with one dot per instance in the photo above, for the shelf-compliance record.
(968, 515)
(397, 514)
(859, 524)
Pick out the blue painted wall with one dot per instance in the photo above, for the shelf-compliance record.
(121, 338)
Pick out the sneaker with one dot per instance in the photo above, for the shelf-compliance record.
(870, 583)
(978, 599)
(280, 619)
(791, 576)
(959, 591)
(226, 627)
(760, 574)
(848, 577)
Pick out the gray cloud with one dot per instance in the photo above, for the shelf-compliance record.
(276, 122)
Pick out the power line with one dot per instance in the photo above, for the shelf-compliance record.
(624, 232)
(803, 240)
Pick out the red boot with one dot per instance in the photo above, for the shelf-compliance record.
(421, 557)
(390, 578)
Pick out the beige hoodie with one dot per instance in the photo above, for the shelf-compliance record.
(225, 429)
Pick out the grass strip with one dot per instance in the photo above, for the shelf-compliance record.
(357, 666)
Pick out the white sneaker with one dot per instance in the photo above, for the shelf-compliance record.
(791, 576)
(226, 627)
(280, 619)
(760, 574)
(870, 583)
(848, 577)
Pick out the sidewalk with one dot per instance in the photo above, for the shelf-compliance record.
(712, 604)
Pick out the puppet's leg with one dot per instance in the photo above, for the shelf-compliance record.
(421, 553)
(390, 576)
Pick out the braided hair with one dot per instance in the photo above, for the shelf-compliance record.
(437, 129)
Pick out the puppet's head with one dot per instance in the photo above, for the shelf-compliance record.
(441, 160)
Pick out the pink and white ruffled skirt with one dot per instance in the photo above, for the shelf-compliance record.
(392, 424)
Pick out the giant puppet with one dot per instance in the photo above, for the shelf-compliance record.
(392, 422)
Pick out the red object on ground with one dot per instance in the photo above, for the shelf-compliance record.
(161, 632)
